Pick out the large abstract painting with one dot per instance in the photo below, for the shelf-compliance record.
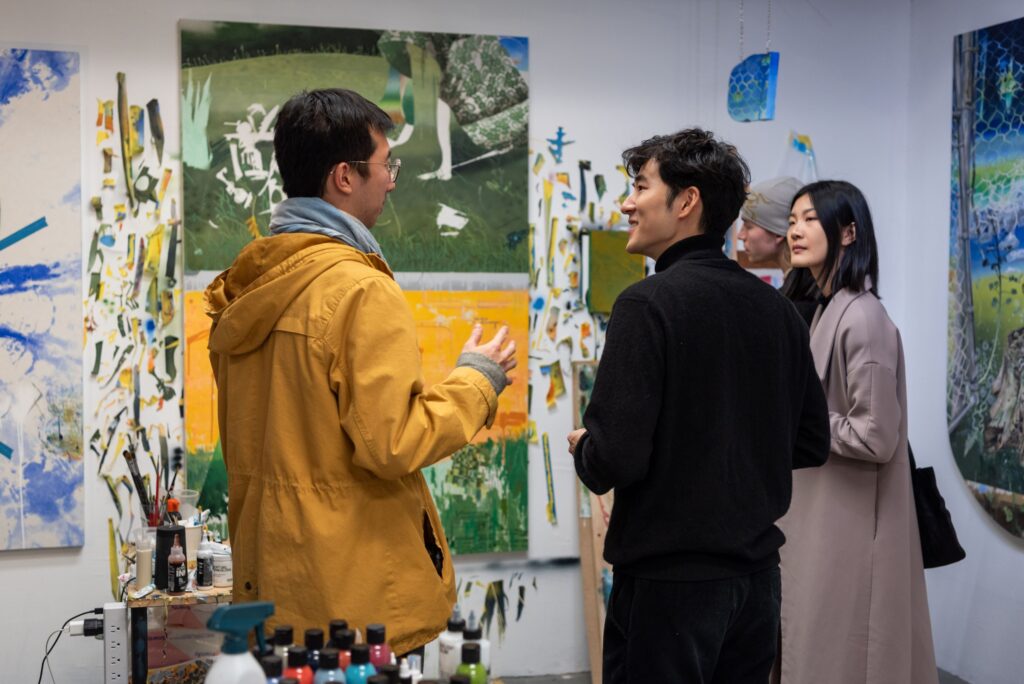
(41, 469)
(985, 398)
(481, 490)
(460, 105)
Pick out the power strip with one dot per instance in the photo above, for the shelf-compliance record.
(116, 639)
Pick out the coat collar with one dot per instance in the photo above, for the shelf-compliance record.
(826, 324)
(695, 247)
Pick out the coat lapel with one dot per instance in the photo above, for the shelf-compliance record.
(825, 326)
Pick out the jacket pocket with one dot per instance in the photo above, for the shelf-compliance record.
(432, 546)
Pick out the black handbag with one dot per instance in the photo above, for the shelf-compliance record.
(939, 545)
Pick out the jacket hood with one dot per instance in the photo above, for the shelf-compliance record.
(246, 301)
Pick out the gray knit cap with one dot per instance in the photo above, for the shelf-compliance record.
(768, 203)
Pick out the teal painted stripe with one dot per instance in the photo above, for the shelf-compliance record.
(6, 451)
(19, 235)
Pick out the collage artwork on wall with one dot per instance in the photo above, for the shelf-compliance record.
(985, 384)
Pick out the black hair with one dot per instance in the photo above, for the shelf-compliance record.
(318, 129)
(838, 204)
(693, 158)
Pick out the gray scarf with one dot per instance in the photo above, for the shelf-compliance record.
(314, 215)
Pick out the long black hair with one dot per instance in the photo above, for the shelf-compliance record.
(838, 204)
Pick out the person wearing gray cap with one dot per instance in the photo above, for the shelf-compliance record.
(765, 222)
(765, 217)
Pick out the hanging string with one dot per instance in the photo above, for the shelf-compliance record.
(741, 31)
(768, 39)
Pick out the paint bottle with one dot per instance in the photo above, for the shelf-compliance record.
(204, 563)
(380, 652)
(143, 558)
(222, 569)
(314, 639)
(164, 540)
(389, 670)
(329, 667)
(360, 669)
(177, 569)
(471, 666)
(378, 679)
(449, 646)
(475, 633)
(343, 640)
(298, 665)
(404, 673)
(284, 636)
(461, 679)
(333, 627)
(415, 661)
(273, 667)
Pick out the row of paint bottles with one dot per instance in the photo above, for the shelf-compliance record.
(357, 661)
(450, 645)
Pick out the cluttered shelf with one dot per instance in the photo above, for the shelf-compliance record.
(157, 597)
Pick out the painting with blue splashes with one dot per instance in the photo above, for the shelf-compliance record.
(42, 474)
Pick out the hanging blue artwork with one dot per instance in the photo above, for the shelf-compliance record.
(752, 88)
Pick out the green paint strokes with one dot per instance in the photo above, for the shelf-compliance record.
(481, 494)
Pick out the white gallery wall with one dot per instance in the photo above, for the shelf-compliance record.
(869, 81)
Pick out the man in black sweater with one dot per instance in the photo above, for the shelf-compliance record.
(706, 399)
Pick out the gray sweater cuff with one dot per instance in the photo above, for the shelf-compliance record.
(491, 369)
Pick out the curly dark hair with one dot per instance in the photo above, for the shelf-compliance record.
(693, 158)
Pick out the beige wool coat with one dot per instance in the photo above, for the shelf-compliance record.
(854, 606)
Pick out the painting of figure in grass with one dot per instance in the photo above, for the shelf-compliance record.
(460, 107)
(985, 397)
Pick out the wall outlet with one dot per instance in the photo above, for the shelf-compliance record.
(116, 642)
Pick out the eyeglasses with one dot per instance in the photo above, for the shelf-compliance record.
(394, 167)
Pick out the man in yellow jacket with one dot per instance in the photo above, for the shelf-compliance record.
(325, 423)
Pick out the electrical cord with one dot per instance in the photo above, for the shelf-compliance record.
(48, 647)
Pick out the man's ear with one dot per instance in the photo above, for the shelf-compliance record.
(340, 178)
(849, 235)
(690, 201)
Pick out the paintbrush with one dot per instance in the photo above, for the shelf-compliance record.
(140, 485)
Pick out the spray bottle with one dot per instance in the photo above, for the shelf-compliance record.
(235, 664)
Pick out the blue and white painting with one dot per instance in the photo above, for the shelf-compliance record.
(42, 474)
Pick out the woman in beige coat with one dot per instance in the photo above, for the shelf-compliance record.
(854, 607)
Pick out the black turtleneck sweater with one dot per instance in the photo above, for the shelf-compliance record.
(706, 399)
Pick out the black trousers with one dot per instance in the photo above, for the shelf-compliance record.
(711, 632)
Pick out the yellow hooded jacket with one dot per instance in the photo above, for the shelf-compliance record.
(325, 425)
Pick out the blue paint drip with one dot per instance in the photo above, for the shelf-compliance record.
(107, 241)
(23, 71)
(22, 233)
(538, 304)
(50, 493)
(23, 278)
(6, 451)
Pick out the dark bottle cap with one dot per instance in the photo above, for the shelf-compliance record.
(456, 624)
(298, 656)
(375, 633)
(360, 654)
(329, 659)
(390, 670)
(343, 639)
(378, 679)
(458, 679)
(470, 653)
(272, 665)
(314, 638)
(335, 626)
(288, 680)
(284, 635)
(473, 633)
